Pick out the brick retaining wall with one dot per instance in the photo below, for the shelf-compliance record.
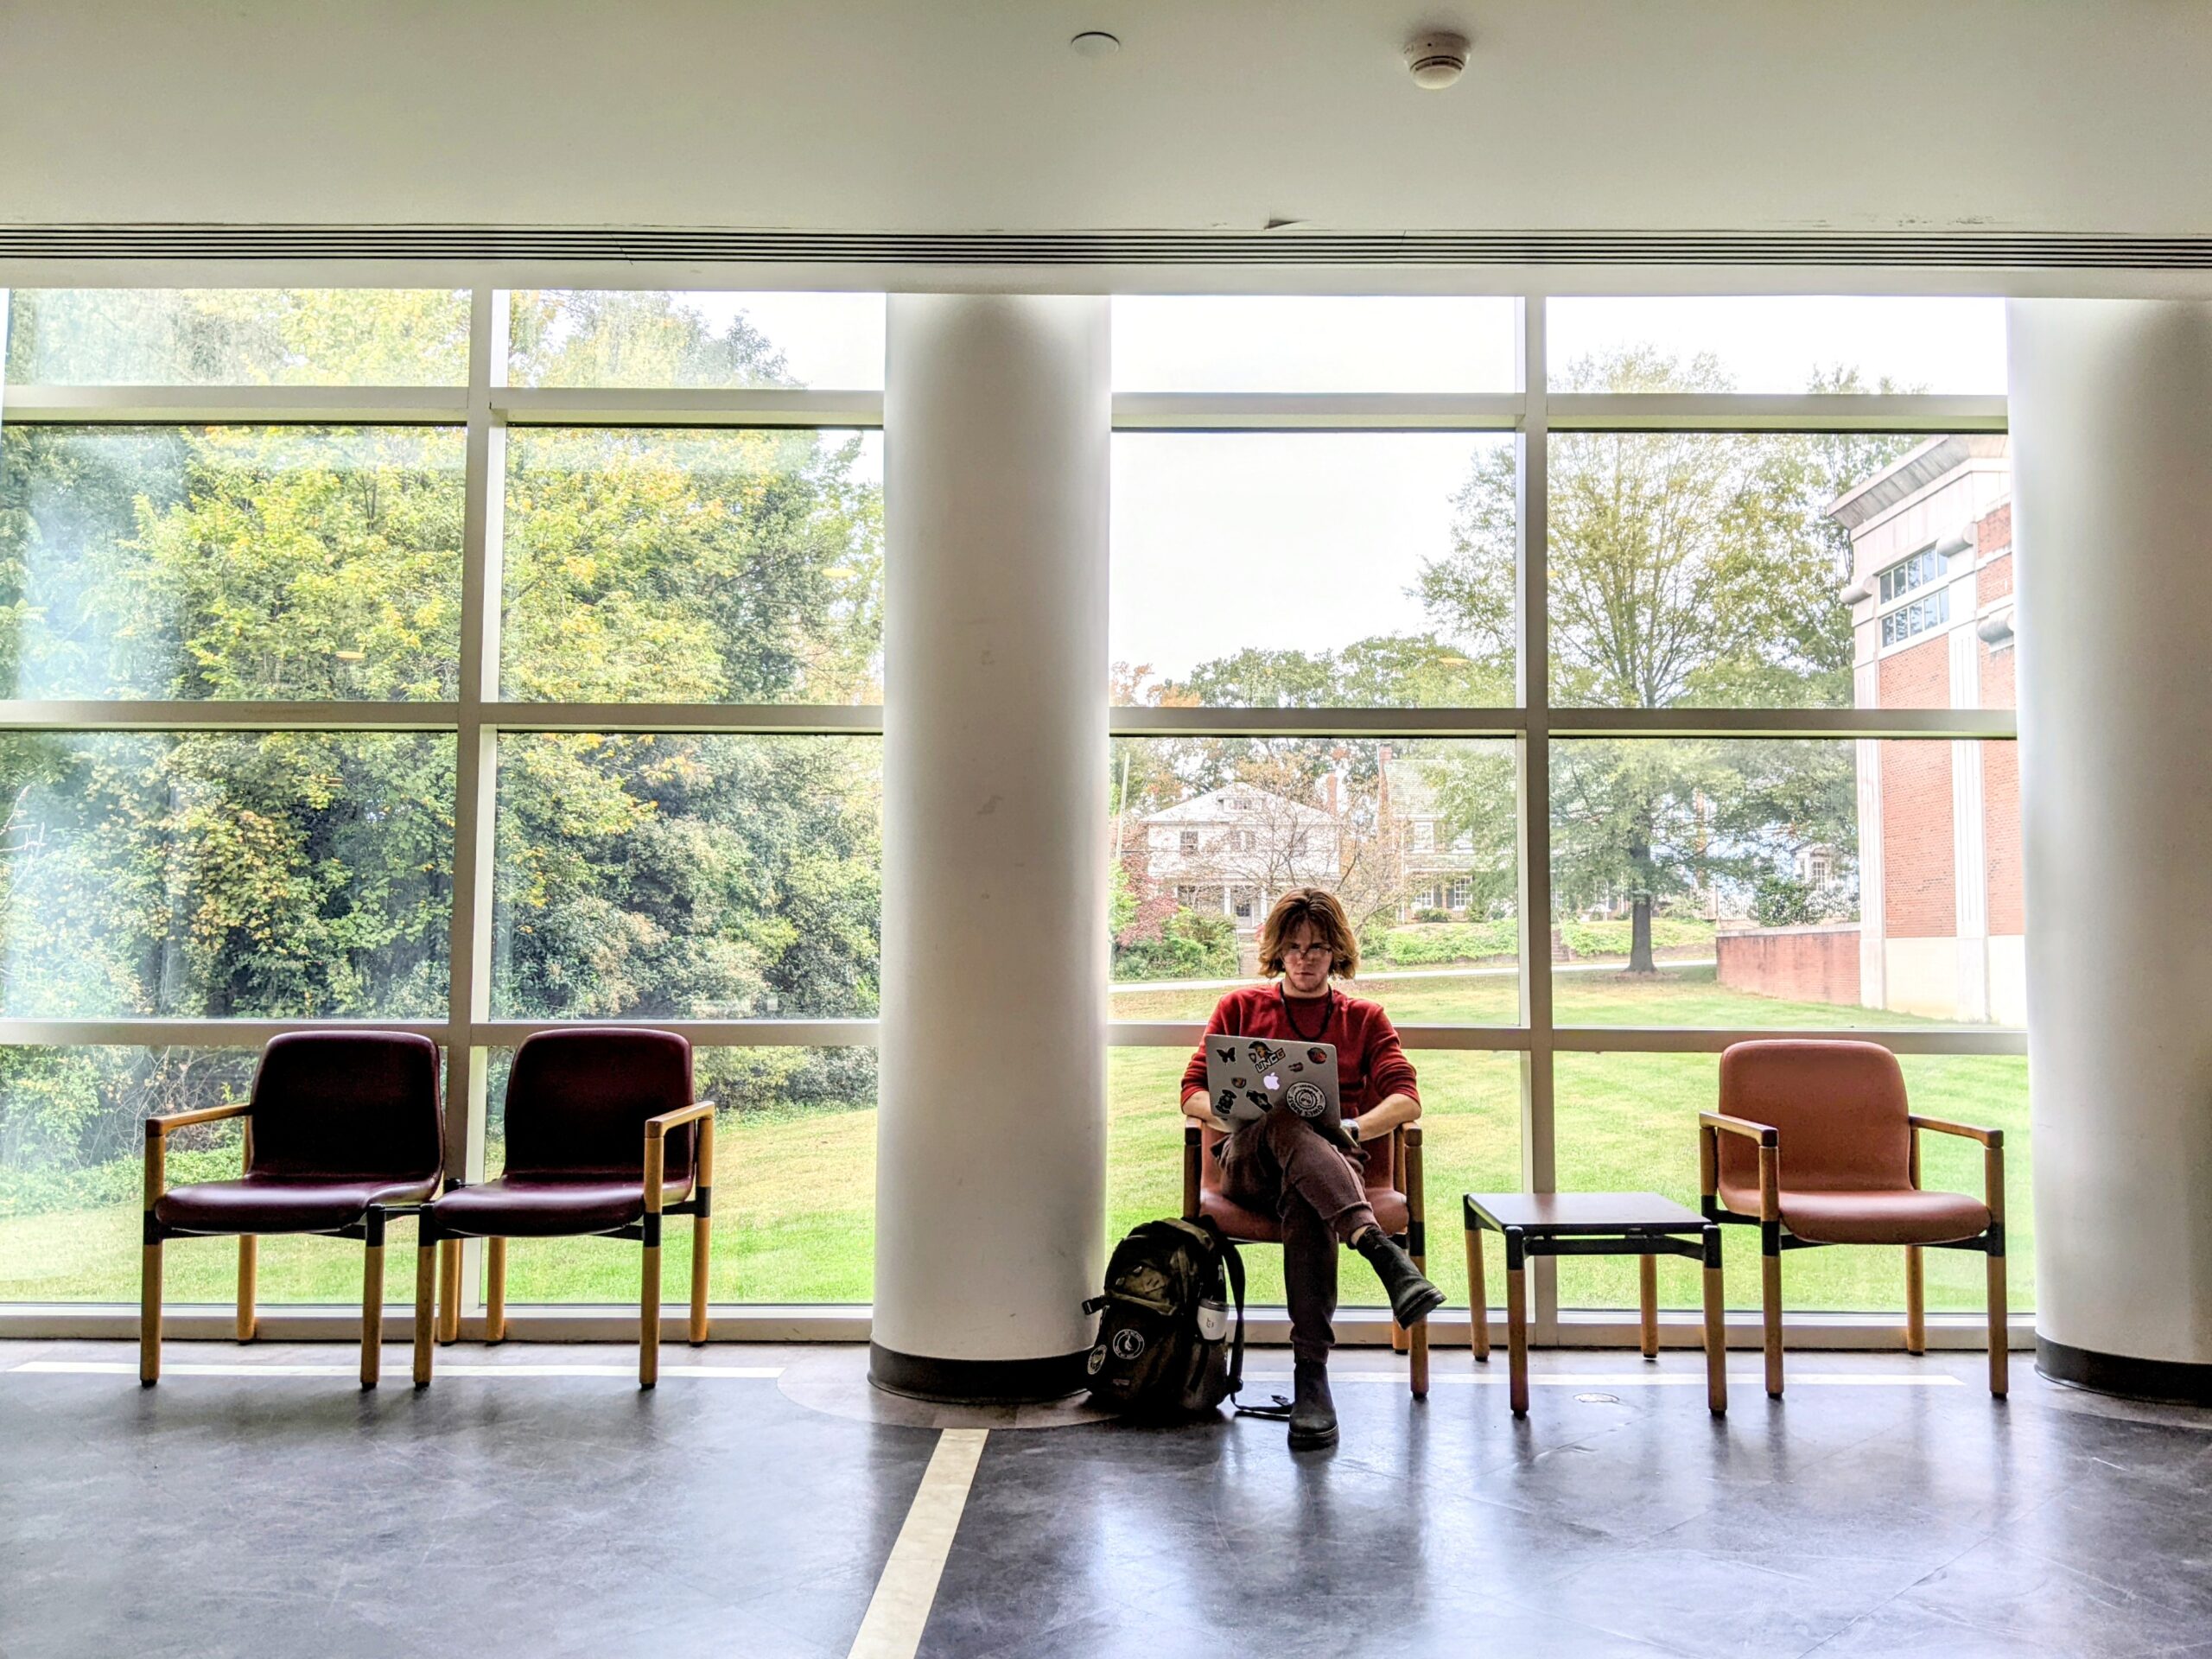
(1803, 964)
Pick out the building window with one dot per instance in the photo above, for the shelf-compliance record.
(1917, 571)
(1917, 618)
(1188, 842)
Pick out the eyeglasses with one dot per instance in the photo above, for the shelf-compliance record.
(1307, 950)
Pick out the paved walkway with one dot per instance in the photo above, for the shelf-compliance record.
(1120, 987)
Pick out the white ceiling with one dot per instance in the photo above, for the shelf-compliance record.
(2069, 115)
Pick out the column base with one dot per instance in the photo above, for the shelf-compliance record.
(978, 1382)
(2167, 1381)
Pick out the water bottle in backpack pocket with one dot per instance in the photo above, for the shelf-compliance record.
(1167, 1343)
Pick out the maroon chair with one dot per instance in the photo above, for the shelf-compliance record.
(1393, 1181)
(600, 1128)
(1814, 1144)
(343, 1129)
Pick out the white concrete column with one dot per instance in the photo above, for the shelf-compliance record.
(991, 1147)
(2112, 431)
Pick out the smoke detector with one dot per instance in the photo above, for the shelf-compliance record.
(1436, 59)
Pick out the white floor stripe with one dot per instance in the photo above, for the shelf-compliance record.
(129, 1368)
(904, 1595)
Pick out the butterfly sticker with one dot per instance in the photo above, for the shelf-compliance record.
(1227, 1056)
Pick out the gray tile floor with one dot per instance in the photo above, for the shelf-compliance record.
(1894, 1510)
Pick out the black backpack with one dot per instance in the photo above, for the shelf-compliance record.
(1167, 1345)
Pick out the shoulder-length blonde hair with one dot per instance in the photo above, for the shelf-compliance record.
(1320, 907)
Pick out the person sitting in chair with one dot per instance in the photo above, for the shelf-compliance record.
(1282, 1164)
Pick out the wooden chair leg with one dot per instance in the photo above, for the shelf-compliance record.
(1647, 1290)
(702, 1233)
(249, 1275)
(449, 1290)
(1771, 1308)
(1477, 1297)
(1716, 1326)
(495, 1290)
(149, 1262)
(372, 1300)
(649, 1319)
(426, 1286)
(1516, 1323)
(1915, 1300)
(150, 1314)
(2000, 1336)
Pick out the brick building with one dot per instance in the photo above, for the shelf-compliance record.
(1941, 931)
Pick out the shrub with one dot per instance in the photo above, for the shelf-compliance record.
(1409, 947)
(1431, 913)
(1193, 945)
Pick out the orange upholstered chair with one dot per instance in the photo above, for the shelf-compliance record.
(1393, 1182)
(1814, 1144)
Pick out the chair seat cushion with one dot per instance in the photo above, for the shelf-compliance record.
(282, 1204)
(516, 1206)
(1250, 1225)
(1888, 1215)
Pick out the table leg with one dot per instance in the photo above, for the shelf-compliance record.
(1478, 1296)
(1647, 1285)
(1516, 1320)
(1716, 1327)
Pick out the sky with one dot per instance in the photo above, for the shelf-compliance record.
(1309, 540)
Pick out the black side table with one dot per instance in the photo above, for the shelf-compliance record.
(1641, 1224)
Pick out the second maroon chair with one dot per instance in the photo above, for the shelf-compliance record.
(600, 1131)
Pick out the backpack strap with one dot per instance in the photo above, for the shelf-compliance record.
(1233, 1264)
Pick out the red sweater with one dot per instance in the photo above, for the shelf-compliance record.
(1370, 1065)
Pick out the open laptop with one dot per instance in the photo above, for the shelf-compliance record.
(1249, 1076)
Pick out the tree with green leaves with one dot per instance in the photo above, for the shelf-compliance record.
(1683, 568)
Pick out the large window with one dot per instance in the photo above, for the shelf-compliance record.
(1663, 699)
(321, 610)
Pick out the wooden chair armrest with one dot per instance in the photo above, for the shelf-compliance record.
(1764, 1133)
(1942, 1126)
(158, 1126)
(679, 1118)
(701, 1112)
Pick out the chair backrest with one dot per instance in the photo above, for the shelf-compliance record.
(1840, 1107)
(578, 1101)
(1381, 1175)
(348, 1104)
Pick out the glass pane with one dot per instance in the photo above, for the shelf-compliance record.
(694, 877)
(238, 336)
(1799, 883)
(1415, 838)
(1471, 1125)
(293, 563)
(72, 1161)
(591, 337)
(256, 874)
(794, 1188)
(1628, 1123)
(1287, 343)
(1312, 568)
(1728, 570)
(696, 566)
(1776, 343)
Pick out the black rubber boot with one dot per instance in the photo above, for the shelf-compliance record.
(1313, 1412)
(1413, 1299)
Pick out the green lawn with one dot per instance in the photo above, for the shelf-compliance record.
(795, 1196)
